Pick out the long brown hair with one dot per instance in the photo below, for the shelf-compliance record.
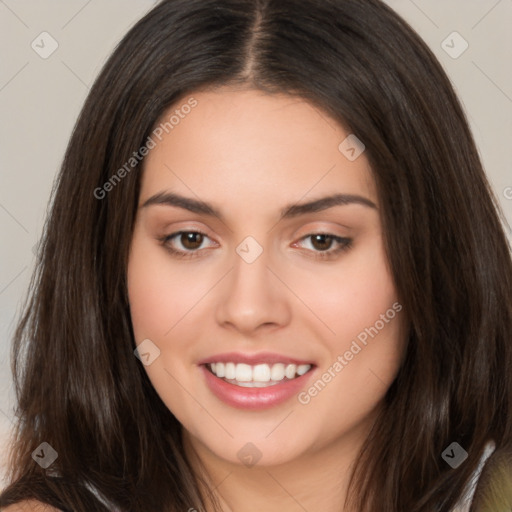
(79, 386)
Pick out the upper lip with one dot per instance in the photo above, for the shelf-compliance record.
(253, 359)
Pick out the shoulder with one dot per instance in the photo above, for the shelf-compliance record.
(30, 506)
(494, 491)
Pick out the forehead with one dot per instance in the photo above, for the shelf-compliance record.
(247, 146)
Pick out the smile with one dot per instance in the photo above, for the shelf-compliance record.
(259, 375)
(255, 385)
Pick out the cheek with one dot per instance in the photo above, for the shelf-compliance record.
(351, 295)
(354, 381)
(161, 298)
(160, 295)
(362, 352)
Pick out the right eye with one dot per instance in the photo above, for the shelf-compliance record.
(190, 241)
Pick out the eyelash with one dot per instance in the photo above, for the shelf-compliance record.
(344, 245)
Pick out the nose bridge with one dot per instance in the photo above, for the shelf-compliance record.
(251, 263)
(253, 295)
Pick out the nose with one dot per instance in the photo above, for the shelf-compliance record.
(253, 297)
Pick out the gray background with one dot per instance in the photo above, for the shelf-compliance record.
(41, 98)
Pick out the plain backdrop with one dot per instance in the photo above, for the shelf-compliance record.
(41, 96)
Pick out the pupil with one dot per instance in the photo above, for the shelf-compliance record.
(188, 240)
(322, 237)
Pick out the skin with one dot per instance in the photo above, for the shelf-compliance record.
(251, 154)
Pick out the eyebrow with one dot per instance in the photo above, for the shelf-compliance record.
(288, 212)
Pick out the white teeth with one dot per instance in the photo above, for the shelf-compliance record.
(219, 370)
(277, 372)
(230, 371)
(290, 371)
(254, 384)
(243, 373)
(302, 368)
(259, 375)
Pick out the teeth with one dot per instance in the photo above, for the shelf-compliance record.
(259, 375)
(277, 372)
(243, 373)
(290, 371)
(230, 371)
(303, 368)
(219, 370)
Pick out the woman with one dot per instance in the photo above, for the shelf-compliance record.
(274, 277)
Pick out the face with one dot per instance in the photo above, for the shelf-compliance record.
(265, 321)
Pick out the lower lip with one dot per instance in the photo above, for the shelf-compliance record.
(254, 398)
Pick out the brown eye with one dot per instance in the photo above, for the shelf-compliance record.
(184, 244)
(321, 245)
(191, 239)
(322, 242)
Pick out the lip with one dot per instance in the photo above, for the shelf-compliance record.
(253, 359)
(254, 398)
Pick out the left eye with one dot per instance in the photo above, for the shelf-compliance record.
(322, 244)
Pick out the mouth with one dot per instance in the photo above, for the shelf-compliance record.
(259, 375)
(255, 382)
